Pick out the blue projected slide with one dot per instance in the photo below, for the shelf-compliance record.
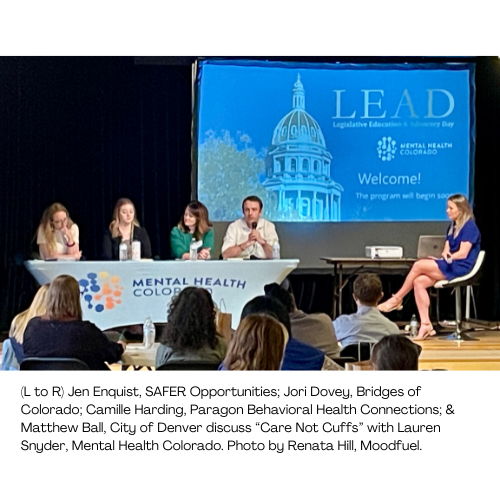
(334, 142)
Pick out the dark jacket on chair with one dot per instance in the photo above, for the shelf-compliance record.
(70, 339)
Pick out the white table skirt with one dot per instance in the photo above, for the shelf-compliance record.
(122, 293)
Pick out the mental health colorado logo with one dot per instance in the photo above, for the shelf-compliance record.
(386, 149)
(101, 291)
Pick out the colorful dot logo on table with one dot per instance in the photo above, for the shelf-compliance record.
(101, 291)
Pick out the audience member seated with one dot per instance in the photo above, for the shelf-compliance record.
(395, 352)
(61, 333)
(125, 228)
(57, 235)
(258, 344)
(12, 348)
(367, 324)
(312, 329)
(194, 224)
(298, 356)
(191, 333)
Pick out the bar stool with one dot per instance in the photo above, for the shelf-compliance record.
(469, 279)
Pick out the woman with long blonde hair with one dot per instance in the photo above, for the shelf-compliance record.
(463, 243)
(16, 333)
(258, 344)
(125, 228)
(57, 235)
(61, 332)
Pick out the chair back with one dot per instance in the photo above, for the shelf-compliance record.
(361, 351)
(343, 361)
(53, 364)
(191, 366)
(470, 278)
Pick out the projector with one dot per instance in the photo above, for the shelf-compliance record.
(384, 252)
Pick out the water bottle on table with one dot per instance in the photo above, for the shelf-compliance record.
(149, 331)
(276, 251)
(136, 250)
(123, 251)
(193, 251)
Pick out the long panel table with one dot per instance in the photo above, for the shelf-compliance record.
(122, 293)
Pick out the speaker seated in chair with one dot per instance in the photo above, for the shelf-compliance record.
(469, 279)
(53, 364)
(459, 256)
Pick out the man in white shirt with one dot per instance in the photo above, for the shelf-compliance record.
(252, 235)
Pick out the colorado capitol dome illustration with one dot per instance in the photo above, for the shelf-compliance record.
(299, 170)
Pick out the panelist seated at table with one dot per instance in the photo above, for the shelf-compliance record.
(57, 235)
(368, 324)
(61, 333)
(193, 224)
(191, 333)
(250, 236)
(125, 228)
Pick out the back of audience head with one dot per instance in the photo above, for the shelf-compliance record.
(284, 296)
(269, 306)
(395, 352)
(368, 289)
(63, 299)
(258, 344)
(37, 308)
(191, 320)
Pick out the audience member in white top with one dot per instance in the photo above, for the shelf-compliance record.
(58, 235)
(250, 236)
(367, 324)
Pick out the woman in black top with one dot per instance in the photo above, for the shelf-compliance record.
(125, 228)
(61, 333)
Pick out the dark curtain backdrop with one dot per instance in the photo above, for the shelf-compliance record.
(86, 131)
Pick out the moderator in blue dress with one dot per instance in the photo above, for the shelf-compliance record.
(461, 267)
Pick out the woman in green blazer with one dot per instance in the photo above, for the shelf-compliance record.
(194, 224)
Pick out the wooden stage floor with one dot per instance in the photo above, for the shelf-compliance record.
(483, 354)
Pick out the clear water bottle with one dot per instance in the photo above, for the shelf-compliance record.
(276, 251)
(149, 332)
(136, 250)
(193, 250)
(413, 326)
(123, 253)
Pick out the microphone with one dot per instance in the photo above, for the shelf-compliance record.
(254, 225)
